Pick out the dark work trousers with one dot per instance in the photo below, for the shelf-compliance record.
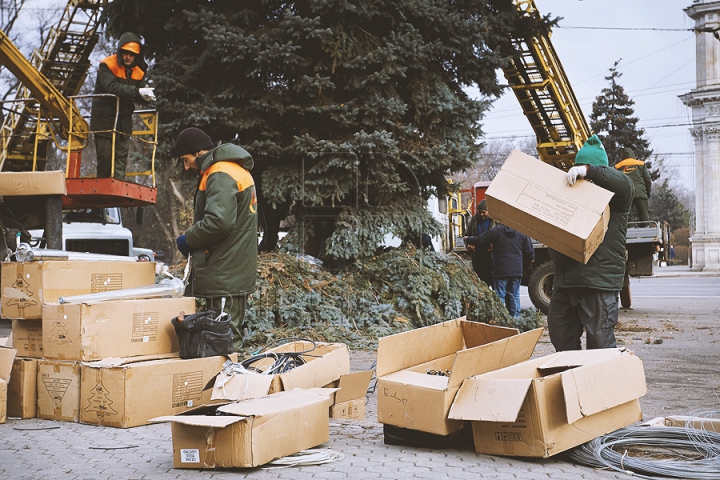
(235, 306)
(103, 146)
(574, 309)
(482, 264)
(641, 207)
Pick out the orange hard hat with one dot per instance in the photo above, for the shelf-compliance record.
(133, 47)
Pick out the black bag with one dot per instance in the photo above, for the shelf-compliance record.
(202, 334)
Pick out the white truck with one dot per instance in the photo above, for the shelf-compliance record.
(96, 230)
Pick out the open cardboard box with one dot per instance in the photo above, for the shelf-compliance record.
(547, 405)
(252, 432)
(324, 364)
(349, 401)
(408, 397)
(534, 198)
(127, 392)
(7, 357)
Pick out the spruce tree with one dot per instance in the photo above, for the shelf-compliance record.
(354, 110)
(613, 120)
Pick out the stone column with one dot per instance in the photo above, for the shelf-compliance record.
(705, 103)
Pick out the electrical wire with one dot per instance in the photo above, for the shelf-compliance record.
(676, 452)
(311, 456)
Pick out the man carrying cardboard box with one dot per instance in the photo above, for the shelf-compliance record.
(585, 296)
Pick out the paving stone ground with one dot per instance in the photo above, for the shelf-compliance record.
(681, 372)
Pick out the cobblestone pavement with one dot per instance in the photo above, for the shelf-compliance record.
(681, 373)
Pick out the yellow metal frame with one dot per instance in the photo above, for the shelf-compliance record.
(546, 97)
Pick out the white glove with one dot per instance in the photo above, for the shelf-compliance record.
(578, 171)
(147, 94)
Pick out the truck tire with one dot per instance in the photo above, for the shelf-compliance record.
(625, 297)
(540, 286)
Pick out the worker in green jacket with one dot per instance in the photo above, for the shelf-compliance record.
(637, 171)
(120, 83)
(585, 295)
(223, 237)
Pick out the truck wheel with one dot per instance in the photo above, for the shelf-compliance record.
(625, 297)
(540, 286)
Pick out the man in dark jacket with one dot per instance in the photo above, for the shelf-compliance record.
(637, 171)
(481, 259)
(511, 251)
(123, 76)
(585, 296)
(223, 237)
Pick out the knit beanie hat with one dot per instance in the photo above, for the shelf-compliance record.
(482, 205)
(592, 153)
(192, 140)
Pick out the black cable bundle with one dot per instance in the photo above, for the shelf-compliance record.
(283, 361)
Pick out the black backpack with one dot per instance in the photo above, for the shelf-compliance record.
(203, 334)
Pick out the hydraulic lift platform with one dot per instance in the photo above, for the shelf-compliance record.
(106, 192)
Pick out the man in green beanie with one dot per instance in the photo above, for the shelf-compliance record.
(637, 172)
(223, 237)
(585, 296)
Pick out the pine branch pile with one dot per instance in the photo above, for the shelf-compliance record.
(397, 291)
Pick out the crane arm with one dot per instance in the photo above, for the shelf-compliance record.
(74, 127)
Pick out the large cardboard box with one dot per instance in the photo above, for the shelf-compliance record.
(27, 285)
(122, 328)
(22, 388)
(324, 363)
(7, 356)
(27, 337)
(252, 432)
(549, 404)
(14, 184)
(58, 388)
(534, 198)
(410, 397)
(127, 392)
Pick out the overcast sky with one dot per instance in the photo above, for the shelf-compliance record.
(657, 66)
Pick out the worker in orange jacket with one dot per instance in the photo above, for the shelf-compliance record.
(637, 172)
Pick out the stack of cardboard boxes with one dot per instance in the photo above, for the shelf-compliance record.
(109, 363)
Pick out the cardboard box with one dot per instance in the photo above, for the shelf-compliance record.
(58, 389)
(324, 364)
(123, 328)
(350, 410)
(27, 285)
(549, 404)
(127, 392)
(22, 388)
(14, 184)
(534, 198)
(7, 356)
(409, 397)
(27, 337)
(251, 432)
(349, 401)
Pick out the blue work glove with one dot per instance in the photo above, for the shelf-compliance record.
(183, 246)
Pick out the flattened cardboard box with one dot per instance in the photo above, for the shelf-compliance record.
(58, 388)
(22, 388)
(409, 397)
(324, 364)
(26, 286)
(127, 392)
(549, 404)
(7, 356)
(252, 432)
(14, 184)
(123, 328)
(27, 337)
(534, 198)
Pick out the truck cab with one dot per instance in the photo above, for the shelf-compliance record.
(96, 230)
